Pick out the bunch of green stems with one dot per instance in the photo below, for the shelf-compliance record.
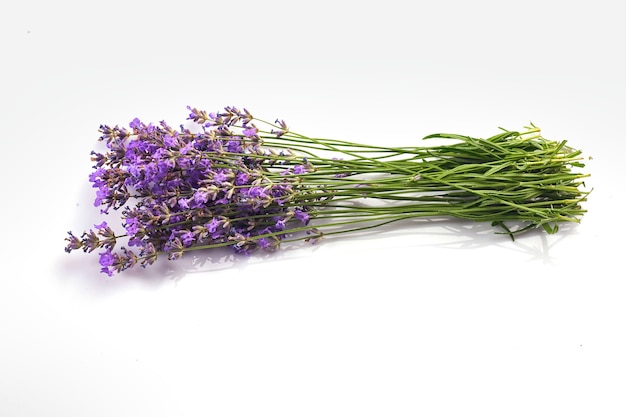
(516, 181)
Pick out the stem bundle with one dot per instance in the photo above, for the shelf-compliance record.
(513, 176)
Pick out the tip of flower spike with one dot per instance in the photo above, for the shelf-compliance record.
(198, 116)
(135, 124)
(283, 128)
(73, 243)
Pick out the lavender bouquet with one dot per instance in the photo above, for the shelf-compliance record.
(235, 180)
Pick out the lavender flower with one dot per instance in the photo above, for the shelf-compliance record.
(107, 260)
(248, 184)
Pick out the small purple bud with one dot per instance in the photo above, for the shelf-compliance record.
(135, 124)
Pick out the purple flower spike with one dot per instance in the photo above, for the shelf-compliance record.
(179, 190)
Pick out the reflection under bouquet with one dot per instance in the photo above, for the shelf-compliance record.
(234, 180)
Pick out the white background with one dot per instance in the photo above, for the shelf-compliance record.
(425, 319)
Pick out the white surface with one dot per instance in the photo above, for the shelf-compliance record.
(434, 320)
